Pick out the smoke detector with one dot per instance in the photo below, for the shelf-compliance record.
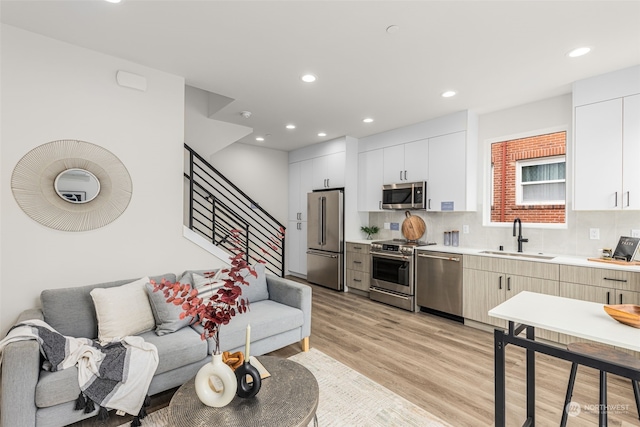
(245, 114)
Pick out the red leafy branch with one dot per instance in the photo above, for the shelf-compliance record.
(225, 303)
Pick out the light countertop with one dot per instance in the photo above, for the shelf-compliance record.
(558, 259)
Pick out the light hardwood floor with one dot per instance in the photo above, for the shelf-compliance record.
(446, 367)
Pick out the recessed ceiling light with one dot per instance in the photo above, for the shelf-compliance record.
(291, 126)
(322, 134)
(392, 29)
(309, 78)
(448, 94)
(579, 52)
(367, 120)
(113, 1)
(259, 138)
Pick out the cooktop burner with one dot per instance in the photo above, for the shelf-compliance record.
(404, 242)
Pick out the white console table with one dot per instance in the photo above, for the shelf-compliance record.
(583, 319)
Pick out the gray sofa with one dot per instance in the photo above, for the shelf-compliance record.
(31, 396)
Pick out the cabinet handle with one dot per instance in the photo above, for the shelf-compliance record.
(429, 204)
(620, 298)
(608, 296)
(508, 283)
(357, 280)
(327, 182)
(400, 175)
(357, 262)
(380, 204)
(405, 175)
(357, 247)
(628, 199)
(500, 282)
(616, 280)
(616, 200)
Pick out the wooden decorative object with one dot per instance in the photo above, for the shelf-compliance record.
(627, 314)
(413, 227)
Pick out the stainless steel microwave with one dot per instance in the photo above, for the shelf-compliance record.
(407, 195)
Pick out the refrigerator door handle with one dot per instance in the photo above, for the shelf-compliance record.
(324, 221)
(320, 221)
(322, 255)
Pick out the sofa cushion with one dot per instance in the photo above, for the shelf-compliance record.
(58, 387)
(166, 314)
(71, 312)
(177, 349)
(257, 289)
(122, 310)
(267, 318)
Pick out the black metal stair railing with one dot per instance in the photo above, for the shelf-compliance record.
(216, 206)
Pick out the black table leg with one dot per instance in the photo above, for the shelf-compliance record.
(531, 378)
(499, 374)
(602, 419)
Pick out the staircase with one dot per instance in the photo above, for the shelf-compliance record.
(216, 207)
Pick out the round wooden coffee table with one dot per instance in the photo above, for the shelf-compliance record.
(289, 397)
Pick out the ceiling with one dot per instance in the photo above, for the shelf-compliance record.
(494, 54)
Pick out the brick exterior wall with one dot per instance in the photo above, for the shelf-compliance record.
(504, 156)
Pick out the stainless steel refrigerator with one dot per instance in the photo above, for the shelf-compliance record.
(325, 238)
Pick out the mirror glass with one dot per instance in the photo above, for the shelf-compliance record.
(77, 185)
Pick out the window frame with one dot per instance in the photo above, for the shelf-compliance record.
(488, 177)
(535, 162)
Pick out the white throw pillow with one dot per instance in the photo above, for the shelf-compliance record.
(122, 310)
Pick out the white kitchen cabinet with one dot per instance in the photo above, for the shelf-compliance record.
(406, 162)
(447, 183)
(370, 180)
(607, 152)
(296, 247)
(631, 152)
(328, 171)
(299, 185)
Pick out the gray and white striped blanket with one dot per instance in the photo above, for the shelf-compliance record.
(113, 376)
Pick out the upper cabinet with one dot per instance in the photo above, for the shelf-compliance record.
(405, 162)
(607, 141)
(328, 171)
(299, 185)
(442, 152)
(370, 164)
(447, 182)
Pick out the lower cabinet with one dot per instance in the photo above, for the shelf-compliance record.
(358, 266)
(488, 282)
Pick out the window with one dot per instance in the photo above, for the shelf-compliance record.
(528, 179)
(541, 181)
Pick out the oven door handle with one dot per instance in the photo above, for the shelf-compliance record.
(446, 258)
(372, 288)
(390, 256)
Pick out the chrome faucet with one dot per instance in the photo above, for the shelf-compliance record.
(520, 239)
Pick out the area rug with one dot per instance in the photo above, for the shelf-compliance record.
(347, 398)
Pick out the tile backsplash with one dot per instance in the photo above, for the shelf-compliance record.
(574, 239)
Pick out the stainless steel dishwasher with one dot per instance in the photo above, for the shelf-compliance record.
(439, 282)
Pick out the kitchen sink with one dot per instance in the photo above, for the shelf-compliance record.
(518, 254)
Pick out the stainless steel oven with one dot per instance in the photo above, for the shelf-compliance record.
(392, 274)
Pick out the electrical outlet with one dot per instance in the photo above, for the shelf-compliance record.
(594, 233)
(387, 225)
(465, 229)
(635, 233)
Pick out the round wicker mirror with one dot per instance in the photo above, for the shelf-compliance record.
(40, 185)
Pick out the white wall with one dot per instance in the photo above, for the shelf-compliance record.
(262, 173)
(52, 90)
(573, 240)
